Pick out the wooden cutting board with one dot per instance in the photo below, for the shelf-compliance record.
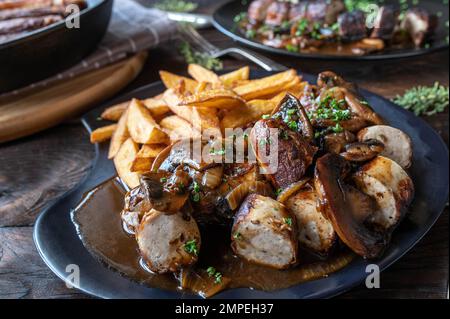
(36, 111)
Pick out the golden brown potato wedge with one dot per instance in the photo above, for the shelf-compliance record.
(270, 85)
(216, 98)
(141, 125)
(156, 106)
(178, 128)
(103, 133)
(123, 161)
(205, 118)
(113, 113)
(144, 158)
(249, 113)
(119, 136)
(232, 79)
(173, 100)
(171, 80)
(201, 74)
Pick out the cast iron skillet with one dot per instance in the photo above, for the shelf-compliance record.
(59, 245)
(44, 52)
(224, 15)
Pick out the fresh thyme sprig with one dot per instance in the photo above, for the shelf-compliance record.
(424, 100)
(202, 59)
(176, 5)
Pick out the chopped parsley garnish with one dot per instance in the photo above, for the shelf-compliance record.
(212, 272)
(163, 179)
(250, 33)
(284, 135)
(237, 235)
(191, 247)
(245, 135)
(293, 125)
(278, 191)
(288, 221)
(265, 116)
(338, 128)
(330, 108)
(240, 17)
(212, 151)
(195, 192)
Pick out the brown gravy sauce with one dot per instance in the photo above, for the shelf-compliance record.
(99, 225)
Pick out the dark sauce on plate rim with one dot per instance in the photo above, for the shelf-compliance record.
(99, 226)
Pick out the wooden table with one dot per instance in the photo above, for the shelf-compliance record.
(35, 171)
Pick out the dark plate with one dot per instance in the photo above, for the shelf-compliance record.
(59, 244)
(44, 52)
(223, 21)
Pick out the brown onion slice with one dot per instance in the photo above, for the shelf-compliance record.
(202, 284)
(212, 177)
(237, 195)
(291, 190)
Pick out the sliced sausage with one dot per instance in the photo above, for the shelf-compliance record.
(315, 232)
(265, 232)
(168, 242)
(391, 187)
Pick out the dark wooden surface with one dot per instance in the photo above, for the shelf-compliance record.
(35, 171)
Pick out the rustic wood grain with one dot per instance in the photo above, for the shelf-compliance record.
(37, 170)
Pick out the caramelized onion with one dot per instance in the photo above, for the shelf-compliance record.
(291, 190)
(212, 177)
(237, 195)
(200, 283)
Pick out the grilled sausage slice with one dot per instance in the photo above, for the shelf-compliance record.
(391, 187)
(315, 232)
(397, 145)
(168, 242)
(265, 232)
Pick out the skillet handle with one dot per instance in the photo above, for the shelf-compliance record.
(265, 63)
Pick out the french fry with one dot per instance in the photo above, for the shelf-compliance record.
(141, 125)
(119, 136)
(178, 128)
(232, 79)
(156, 106)
(173, 100)
(201, 74)
(113, 113)
(103, 133)
(249, 113)
(205, 119)
(270, 85)
(123, 161)
(144, 158)
(216, 98)
(171, 80)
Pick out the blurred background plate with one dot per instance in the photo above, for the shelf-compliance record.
(223, 20)
(44, 52)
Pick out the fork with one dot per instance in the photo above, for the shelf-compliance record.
(188, 33)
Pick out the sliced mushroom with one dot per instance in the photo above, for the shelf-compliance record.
(362, 151)
(136, 205)
(335, 142)
(315, 232)
(392, 188)
(346, 207)
(397, 144)
(294, 154)
(168, 242)
(362, 109)
(265, 232)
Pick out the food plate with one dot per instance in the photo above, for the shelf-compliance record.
(59, 245)
(223, 20)
(45, 51)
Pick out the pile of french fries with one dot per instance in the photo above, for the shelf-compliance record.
(185, 109)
